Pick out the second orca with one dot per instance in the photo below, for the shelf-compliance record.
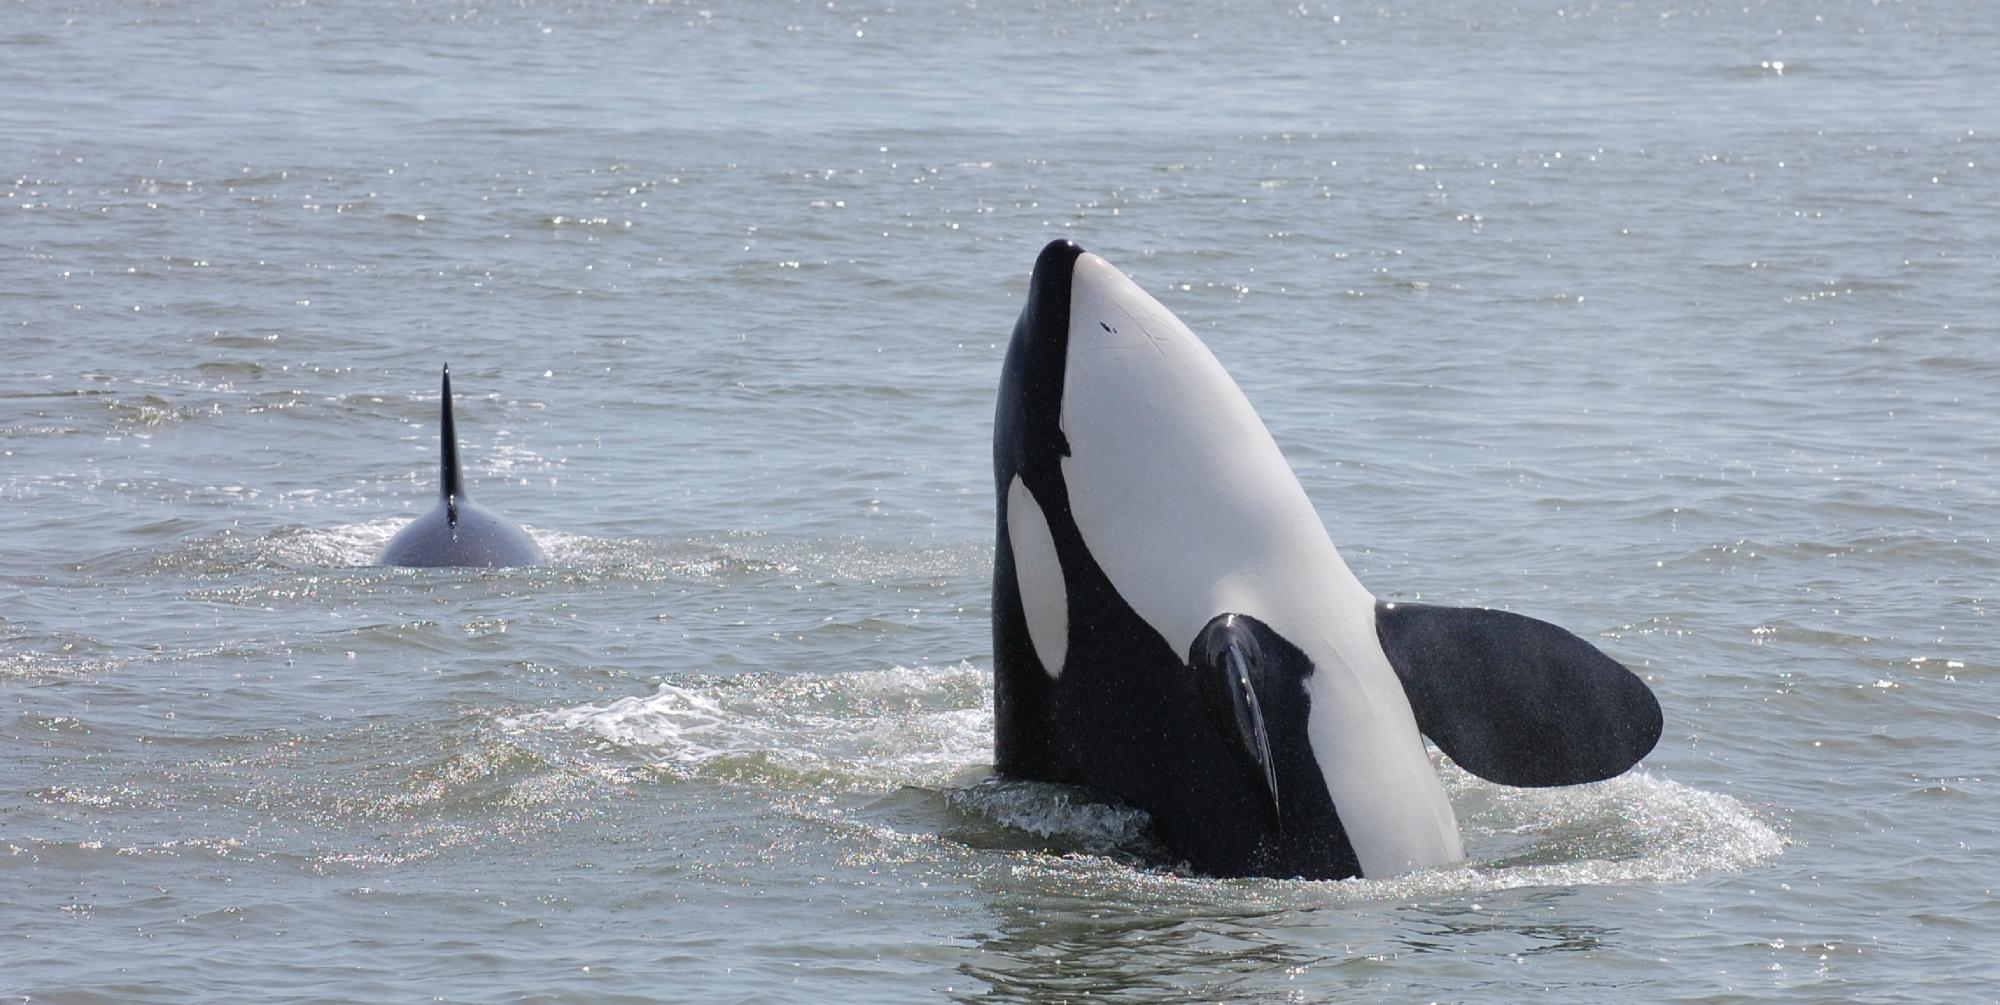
(458, 531)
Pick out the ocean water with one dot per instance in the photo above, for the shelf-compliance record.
(1670, 322)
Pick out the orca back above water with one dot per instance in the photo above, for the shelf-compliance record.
(458, 531)
(1173, 625)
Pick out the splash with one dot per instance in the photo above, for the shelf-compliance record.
(298, 548)
(1059, 813)
(876, 732)
(859, 732)
(349, 544)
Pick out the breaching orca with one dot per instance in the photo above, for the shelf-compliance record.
(458, 531)
(1173, 625)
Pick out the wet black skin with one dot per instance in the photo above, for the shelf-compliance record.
(458, 531)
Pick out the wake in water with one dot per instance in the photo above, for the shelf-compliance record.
(930, 729)
(639, 559)
(871, 731)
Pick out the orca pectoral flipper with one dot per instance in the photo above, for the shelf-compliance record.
(1241, 666)
(1515, 700)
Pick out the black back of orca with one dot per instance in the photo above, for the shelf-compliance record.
(458, 531)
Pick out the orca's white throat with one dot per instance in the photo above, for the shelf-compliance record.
(1188, 506)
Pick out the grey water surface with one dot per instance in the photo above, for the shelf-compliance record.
(1671, 322)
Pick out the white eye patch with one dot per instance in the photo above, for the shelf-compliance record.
(1039, 576)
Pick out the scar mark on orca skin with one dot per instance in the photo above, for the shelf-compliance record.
(1158, 342)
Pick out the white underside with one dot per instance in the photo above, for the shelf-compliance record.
(1189, 507)
(1039, 577)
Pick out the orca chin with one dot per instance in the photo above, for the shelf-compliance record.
(458, 531)
(1172, 624)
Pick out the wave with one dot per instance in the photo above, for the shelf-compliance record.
(584, 557)
(886, 733)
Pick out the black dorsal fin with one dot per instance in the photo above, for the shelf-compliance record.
(450, 488)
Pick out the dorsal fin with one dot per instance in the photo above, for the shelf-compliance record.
(450, 488)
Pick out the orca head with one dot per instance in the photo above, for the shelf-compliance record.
(1027, 422)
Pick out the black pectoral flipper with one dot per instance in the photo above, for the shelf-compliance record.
(1515, 700)
(1233, 673)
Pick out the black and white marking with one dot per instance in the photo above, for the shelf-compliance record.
(1173, 625)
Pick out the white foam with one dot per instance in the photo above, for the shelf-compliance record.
(1055, 811)
(357, 544)
(1636, 828)
(870, 730)
(348, 544)
(294, 547)
(880, 730)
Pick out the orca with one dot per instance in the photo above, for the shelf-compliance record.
(1173, 625)
(458, 531)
